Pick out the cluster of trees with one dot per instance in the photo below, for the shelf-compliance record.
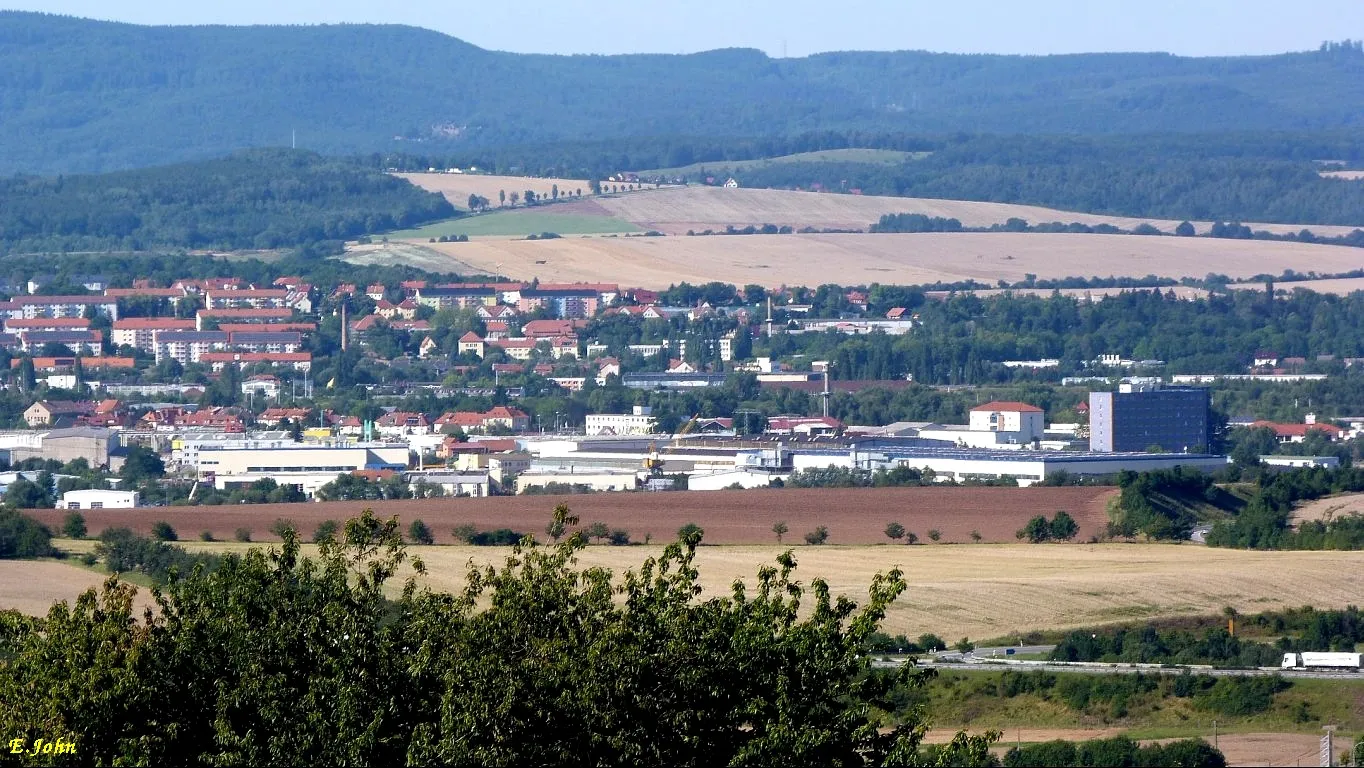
(1160, 504)
(1232, 696)
(1264, 522)
(255, 661)
(1149, 645)
(1062, 527)
(23, 537)
(1303, 629)
(251, 199)
(350, 487)
(123, 551)
(1116, 752)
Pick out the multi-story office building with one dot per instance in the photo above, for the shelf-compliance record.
(1139, 418)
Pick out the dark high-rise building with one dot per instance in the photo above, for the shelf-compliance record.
(1135, 419)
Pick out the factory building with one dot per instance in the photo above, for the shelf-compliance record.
(304, 465)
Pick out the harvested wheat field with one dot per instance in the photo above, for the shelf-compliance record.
(774, 260)
(32, 586)
(674, 210)
(1339, 286)
(1330, 507)
(978, 591)
(458, 186)
(990, 590)
(853, 516)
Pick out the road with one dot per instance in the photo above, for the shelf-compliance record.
(996, 652)
(1095, 668)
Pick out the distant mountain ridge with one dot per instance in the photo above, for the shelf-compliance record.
(81, 95)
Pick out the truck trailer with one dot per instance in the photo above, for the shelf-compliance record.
(1320, 660)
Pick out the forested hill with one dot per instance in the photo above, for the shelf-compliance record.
(78, 95)
(265, 198)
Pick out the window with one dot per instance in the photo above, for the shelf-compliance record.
(97, 505)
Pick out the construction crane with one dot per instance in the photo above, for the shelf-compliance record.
(687, 427)
(653, 462)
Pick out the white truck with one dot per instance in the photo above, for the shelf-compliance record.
(1324, 661)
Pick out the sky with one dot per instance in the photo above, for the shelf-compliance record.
(795, 27)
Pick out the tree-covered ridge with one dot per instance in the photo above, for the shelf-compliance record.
(276, 659)
(88, 95)
(251, 199)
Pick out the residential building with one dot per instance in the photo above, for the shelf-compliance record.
(188, 346)
(400, 423)
(265, 341)
(19, 325)
(140, 332)
(1297, 433)
(511, 419)
(47, 412)
(247, 298)
(299, 361)
(470, 342)
(79, 342)
(473, 484)
(562, 301)
(1138, 417)
(30, 307)
(442, 297)
(269, 315)
(263, 386)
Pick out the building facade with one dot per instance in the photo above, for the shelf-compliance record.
(1137, 419)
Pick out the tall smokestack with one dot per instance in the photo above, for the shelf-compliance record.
(344, 330)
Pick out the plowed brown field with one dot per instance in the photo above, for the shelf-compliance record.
(853, 516)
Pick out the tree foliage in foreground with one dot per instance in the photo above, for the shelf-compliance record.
(274, 659)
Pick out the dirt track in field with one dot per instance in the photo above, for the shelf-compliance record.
(853, 516)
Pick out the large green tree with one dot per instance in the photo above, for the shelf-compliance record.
(271, 658)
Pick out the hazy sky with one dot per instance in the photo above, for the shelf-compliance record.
(798, 27)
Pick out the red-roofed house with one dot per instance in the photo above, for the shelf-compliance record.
(400, 423)
(512, 419)
(1296, 433)
(470, 342)
(272, 417)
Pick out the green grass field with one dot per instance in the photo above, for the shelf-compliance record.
(519, 224)
(882, 156)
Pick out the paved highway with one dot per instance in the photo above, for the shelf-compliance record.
(1096, 668)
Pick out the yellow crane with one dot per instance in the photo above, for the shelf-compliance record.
(653, 462)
